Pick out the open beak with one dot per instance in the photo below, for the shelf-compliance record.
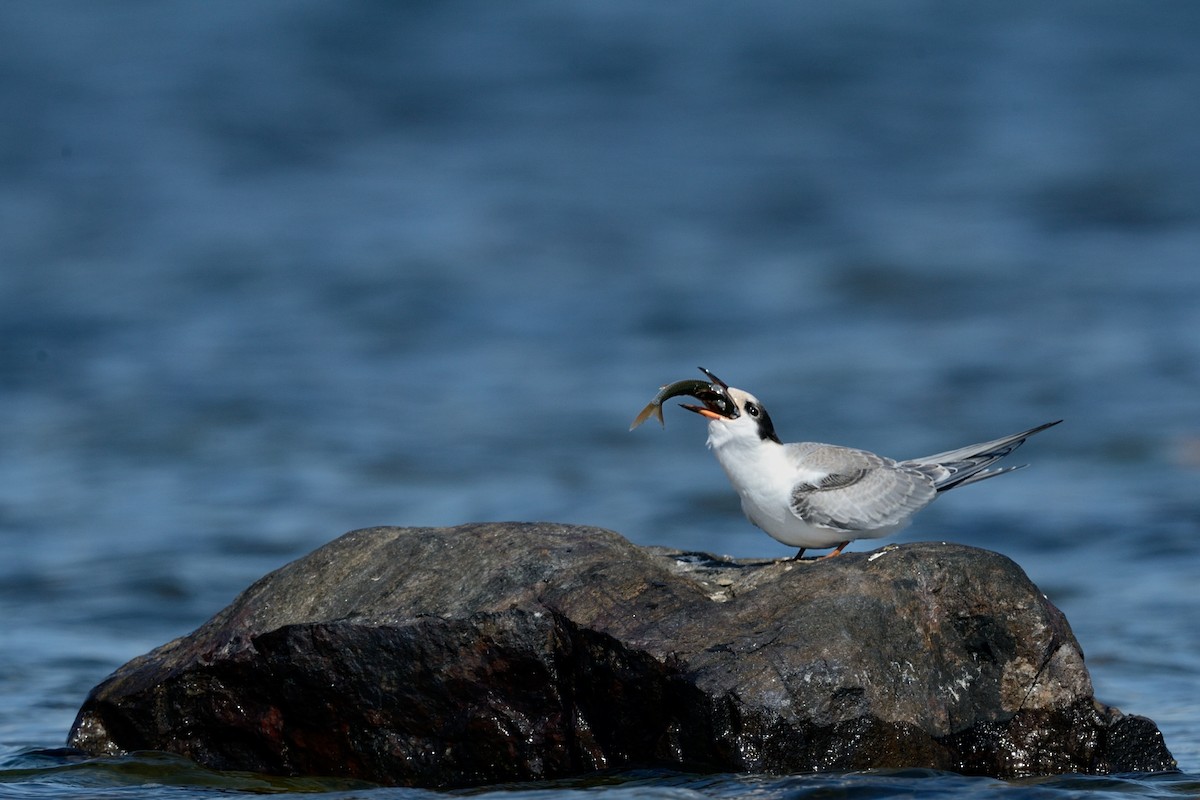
(702, 411)
(717, 402)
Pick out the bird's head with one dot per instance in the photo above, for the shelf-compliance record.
(732, 413)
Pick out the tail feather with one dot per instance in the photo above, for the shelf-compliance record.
(970, 464)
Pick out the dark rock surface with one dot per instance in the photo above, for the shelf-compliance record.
(503, 652)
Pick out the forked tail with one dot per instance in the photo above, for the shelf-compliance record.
(970, 464)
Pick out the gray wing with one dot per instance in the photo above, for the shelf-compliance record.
(860, 492)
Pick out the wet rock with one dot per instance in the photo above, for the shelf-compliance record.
(503, 652)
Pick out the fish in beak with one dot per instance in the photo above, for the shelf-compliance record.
(714, 396)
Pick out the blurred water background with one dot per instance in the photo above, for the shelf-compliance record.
(273, 271)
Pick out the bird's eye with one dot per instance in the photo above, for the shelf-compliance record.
(752, 409)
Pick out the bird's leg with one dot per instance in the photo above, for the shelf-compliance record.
(798, 555)
(836, 552)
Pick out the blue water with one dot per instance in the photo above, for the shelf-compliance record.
(273, 271)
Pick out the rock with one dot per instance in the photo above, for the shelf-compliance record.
(505, 652)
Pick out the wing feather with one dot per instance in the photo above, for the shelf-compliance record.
(861, 491)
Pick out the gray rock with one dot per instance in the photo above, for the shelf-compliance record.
(504, 652)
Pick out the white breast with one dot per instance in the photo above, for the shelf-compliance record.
(763, 477)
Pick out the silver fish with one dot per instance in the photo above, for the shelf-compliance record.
(691, 388)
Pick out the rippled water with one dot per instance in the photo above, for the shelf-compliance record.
(156, 775)
(270, 272)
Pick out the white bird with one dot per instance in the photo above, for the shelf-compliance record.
(811, 495)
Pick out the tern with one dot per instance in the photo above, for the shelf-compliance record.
(812, 495)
